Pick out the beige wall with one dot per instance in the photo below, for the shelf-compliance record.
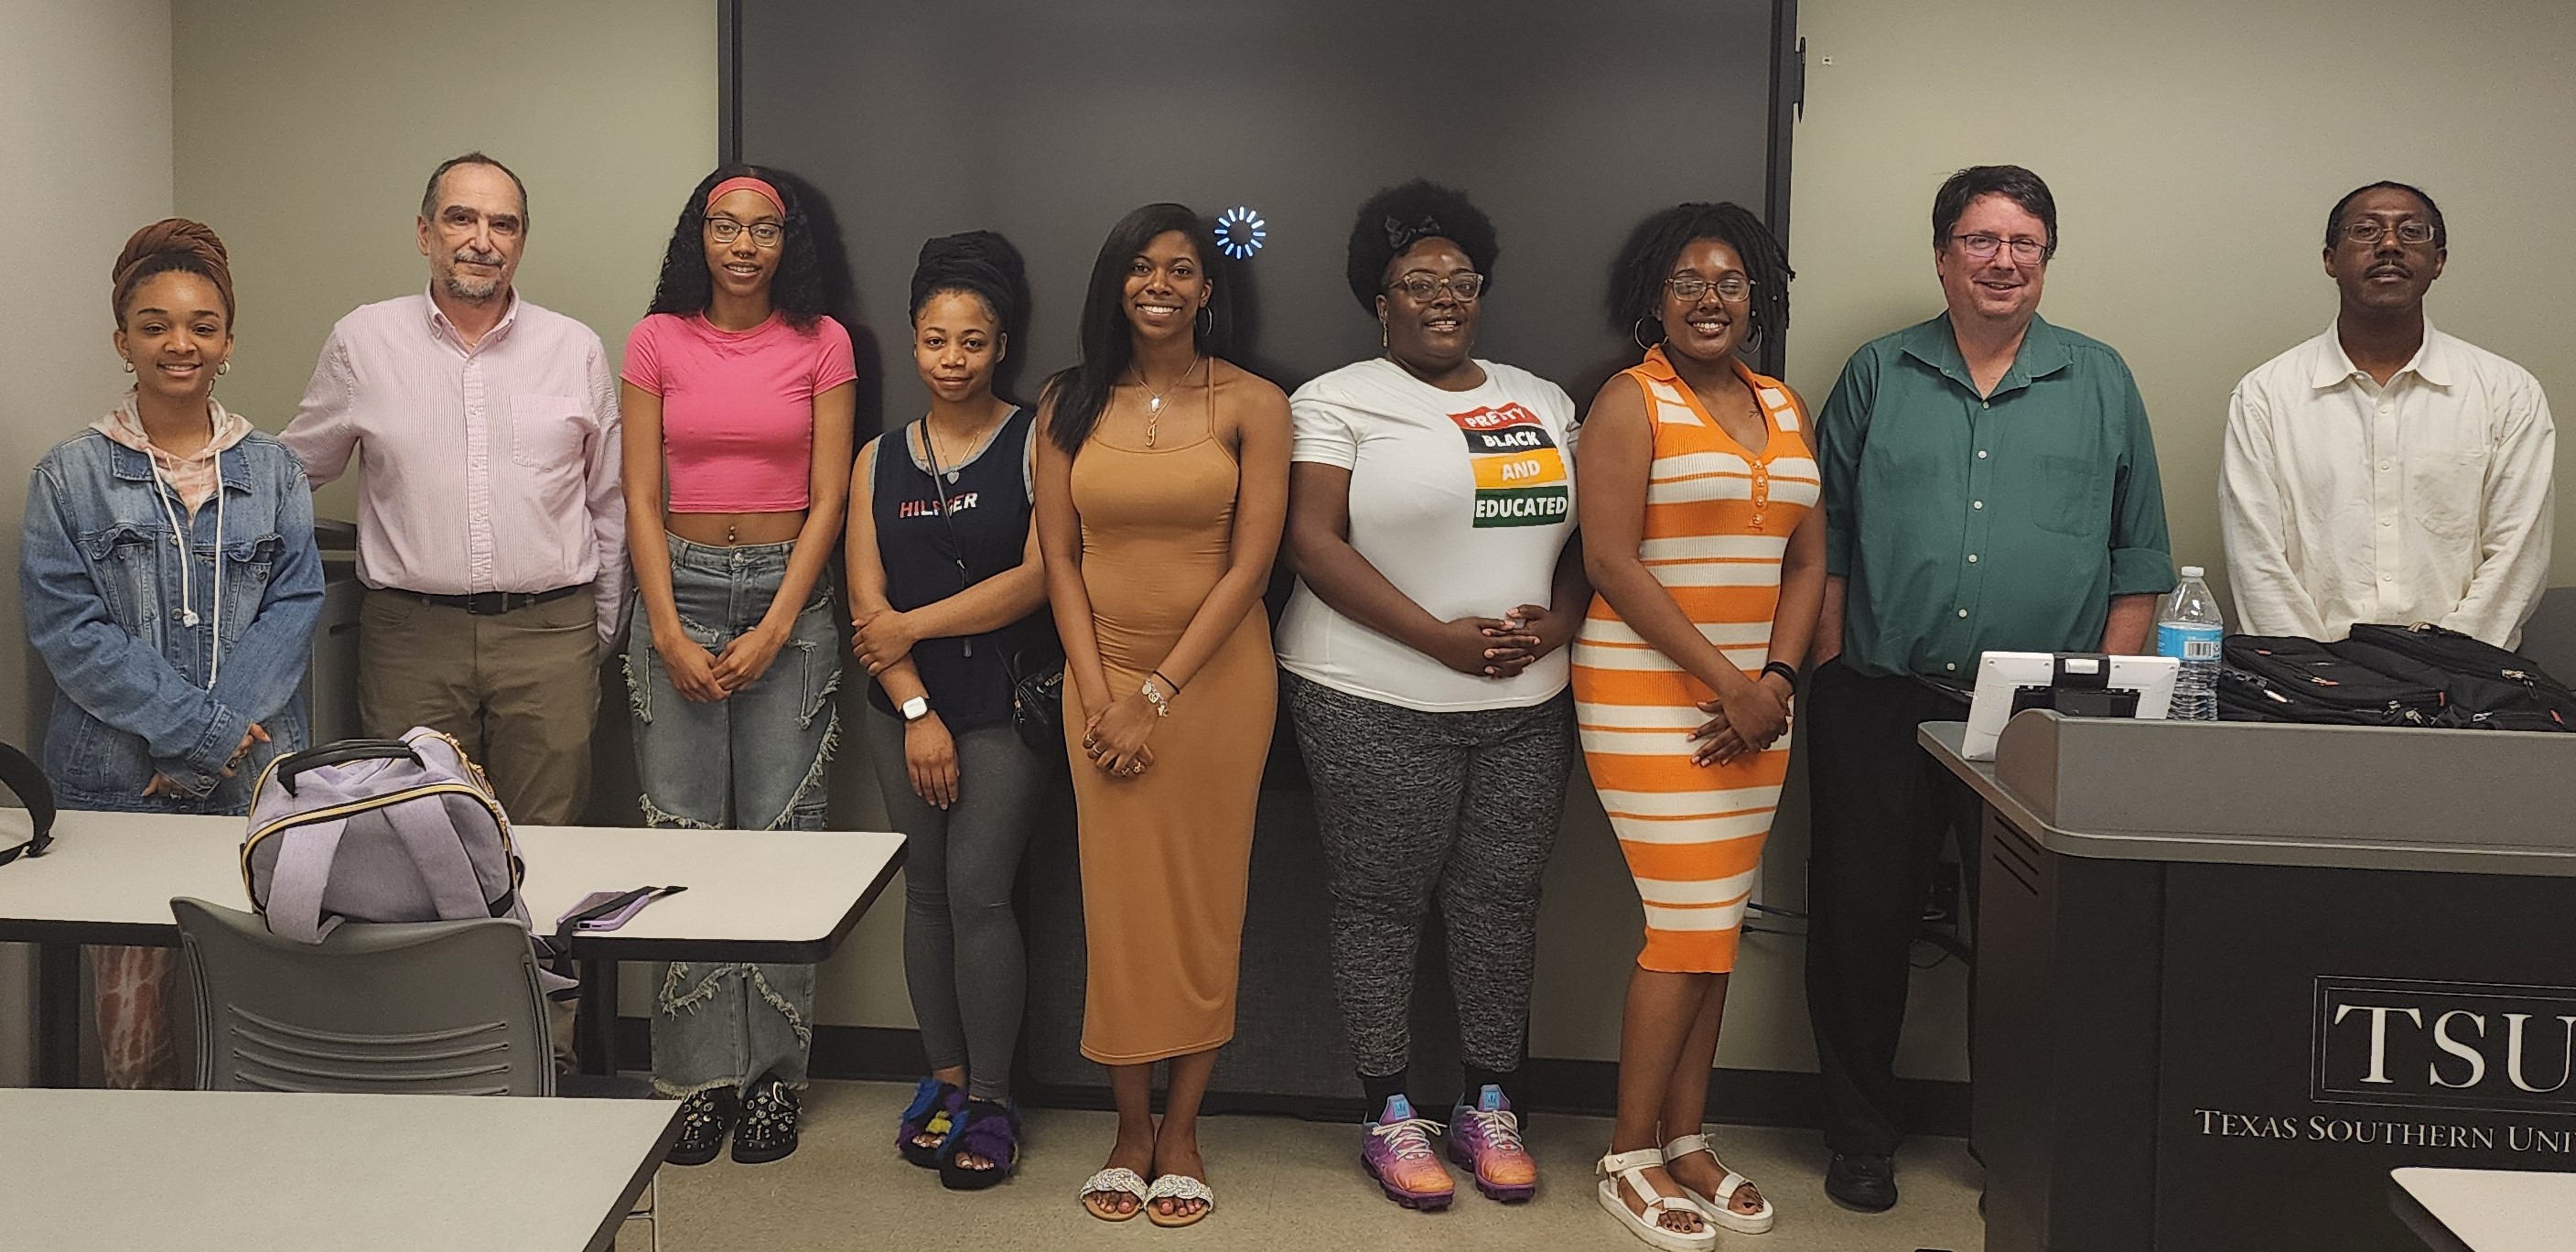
(85, 138)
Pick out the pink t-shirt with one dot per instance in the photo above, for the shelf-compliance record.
(737, 406)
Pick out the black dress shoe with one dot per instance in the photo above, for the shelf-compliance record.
(1867, 1183)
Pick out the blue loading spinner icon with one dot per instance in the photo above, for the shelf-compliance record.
(1240, 232)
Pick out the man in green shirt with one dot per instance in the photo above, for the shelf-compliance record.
(1989, 483)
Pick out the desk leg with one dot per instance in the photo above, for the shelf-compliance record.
(595, 1038)
(58, 1006)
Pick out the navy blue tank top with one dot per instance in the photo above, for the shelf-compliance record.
(928, 559)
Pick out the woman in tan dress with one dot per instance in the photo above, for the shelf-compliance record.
(1162, 487)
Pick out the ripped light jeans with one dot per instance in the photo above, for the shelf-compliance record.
(753, 761)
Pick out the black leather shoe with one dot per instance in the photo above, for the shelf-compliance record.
(703, 1119)
(1867, 1183)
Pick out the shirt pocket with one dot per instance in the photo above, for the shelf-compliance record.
(247, 566)
(2446, 489)
(125, 562)
(2072, 496)
(546, 431)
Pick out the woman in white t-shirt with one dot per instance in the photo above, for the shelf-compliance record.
(1430, 520)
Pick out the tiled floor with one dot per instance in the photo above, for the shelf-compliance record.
(1281, 1184)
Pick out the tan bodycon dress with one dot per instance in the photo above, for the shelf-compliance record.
(1165, 855)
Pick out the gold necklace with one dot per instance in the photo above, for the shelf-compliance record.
(1154, 399)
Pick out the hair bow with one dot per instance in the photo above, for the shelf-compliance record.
(1401, 235)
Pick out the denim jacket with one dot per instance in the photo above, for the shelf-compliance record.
(99, 573)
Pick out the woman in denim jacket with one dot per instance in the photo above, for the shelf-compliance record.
(176, 676)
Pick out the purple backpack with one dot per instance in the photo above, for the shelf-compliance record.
(378, 830)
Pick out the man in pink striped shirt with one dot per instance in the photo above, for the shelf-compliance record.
(491, 531)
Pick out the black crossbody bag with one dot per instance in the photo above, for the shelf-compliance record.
(1037, 695)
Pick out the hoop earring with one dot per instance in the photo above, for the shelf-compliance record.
(223, 367)
(1638, 333)
(1206, 321)
(129, 367)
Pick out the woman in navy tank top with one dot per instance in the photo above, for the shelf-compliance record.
(948, 601)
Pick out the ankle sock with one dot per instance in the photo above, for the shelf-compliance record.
(1377, 1089)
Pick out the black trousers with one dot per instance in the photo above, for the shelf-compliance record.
(1882, 808)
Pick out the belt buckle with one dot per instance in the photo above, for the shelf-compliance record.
(487, 603)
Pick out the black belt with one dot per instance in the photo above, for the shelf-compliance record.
(493, 603)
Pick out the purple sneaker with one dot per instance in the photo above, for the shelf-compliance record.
(1396, 1151)
(1486, 1138)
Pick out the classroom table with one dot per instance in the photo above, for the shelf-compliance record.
(781, 896)
(253, 1171)
(2486, 1210)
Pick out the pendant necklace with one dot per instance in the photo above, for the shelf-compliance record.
(1154, 399)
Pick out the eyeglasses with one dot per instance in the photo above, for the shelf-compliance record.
(1984, 248)
(726, 230)
(1424, 288)
(1732, 288)
(2372, 230)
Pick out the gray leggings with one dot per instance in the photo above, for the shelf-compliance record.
(962, 955)
(1409, 803)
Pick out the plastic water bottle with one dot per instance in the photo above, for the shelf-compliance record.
(2189, 629)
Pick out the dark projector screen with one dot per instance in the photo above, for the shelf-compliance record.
(1047, 120)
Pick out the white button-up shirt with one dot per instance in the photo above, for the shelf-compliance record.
(490, 468)
(2427, 500)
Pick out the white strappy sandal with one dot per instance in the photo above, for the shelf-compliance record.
(1116, 1180)
(1630, 1168)
(1720, 1208)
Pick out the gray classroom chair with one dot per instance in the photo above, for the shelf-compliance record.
(448, 1008)
(451, 1008)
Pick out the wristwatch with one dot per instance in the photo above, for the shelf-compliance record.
(916, 708)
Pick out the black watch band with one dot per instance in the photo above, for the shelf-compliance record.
(1788, 674)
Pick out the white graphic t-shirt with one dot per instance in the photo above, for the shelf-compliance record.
(1463, 499)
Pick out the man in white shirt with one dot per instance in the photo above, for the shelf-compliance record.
(2384, 471)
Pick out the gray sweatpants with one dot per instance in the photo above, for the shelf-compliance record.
(962, 955)
(1412, 803)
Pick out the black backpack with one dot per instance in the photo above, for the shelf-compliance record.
(2485, 687)
(2266, 678)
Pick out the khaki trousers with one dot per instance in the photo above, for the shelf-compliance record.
(519, 689)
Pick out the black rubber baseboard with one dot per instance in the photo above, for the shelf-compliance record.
(1742, 1097)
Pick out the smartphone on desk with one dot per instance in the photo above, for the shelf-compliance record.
(608, 910)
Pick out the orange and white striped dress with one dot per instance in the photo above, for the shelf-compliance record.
(1718, 520)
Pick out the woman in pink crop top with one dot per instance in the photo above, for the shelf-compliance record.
(738, 392)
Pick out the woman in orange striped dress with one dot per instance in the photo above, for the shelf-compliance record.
(1697, 494)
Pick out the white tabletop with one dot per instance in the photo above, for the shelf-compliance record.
(216, 1171)
(2497, 1210)
(773, 895)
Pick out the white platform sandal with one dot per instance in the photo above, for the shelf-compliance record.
(1720, 1208)
(1630, 1168)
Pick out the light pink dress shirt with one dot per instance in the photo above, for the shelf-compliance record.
(491, 468)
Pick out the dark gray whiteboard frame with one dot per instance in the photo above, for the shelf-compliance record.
(1788, 96)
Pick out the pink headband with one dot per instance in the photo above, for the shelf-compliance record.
(747, 183)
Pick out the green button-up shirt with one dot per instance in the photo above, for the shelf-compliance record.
(1967, 523)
